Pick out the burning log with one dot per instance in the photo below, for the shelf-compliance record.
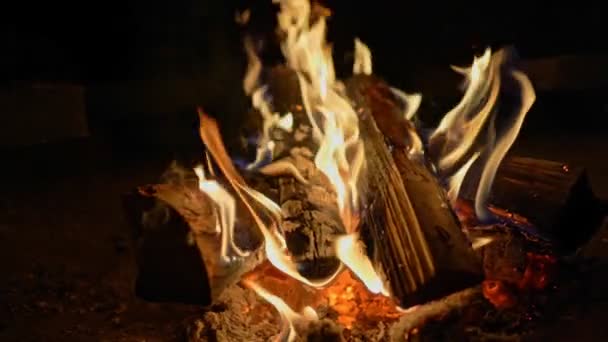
(416, 237)
(555, 197)
(310, 213)
(177, 247)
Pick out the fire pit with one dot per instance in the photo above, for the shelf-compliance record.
(353, 219)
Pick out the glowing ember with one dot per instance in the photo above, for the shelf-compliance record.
(499, 294)
(354, 303)
(347, 298)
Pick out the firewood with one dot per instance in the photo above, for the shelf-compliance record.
(555, 197)
(310, 213)
(417, 238)
(243, 316)
(177, 247)
(417, 316)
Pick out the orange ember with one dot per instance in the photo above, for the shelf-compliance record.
(347, 299)
(499, 294)
(540, 270)
(353, 302)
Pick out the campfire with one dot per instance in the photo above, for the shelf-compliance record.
(353, 219)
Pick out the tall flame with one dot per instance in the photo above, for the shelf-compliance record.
(334, 126)
(459, 131)
(307, 52)
(528, 97)
(340, 155)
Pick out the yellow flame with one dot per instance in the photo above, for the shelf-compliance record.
(349, 250)
(411, 104)
(307, 52)
(411, 101)
(333, 121)
(462, 125)
(225, 208)
(363, 59)
(475, 114)
(274, 243)
(528, 97)
(479, 242)
(338, 137)
(288, 316)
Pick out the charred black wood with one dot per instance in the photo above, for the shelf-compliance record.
(311, 217)
(177, 247)
(415, 235)
(555, 197)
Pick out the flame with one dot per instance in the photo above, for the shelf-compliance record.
(412, 102)
(528, 97)
(340, 152)
(455, 182)
(473, 117)
(334, 122)
(225, 208)
(340, 155)
(460, 126)
(275, 246)
(288, 316)
(479, 242)
(307, 52)
(350, 251)
(363, 59)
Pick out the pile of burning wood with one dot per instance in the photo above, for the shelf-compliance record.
(354, 220)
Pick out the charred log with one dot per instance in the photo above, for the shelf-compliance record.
(416, 237)
(177, 247)
(311, 217)
(555, 197)
(416, 317)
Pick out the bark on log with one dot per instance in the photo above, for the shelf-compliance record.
(311, 217)
(557, 198)
(417, 237)
(177, 248)
(416, 317)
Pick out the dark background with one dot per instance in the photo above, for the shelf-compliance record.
(140, 61)
(136, 70)
(113, 40)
